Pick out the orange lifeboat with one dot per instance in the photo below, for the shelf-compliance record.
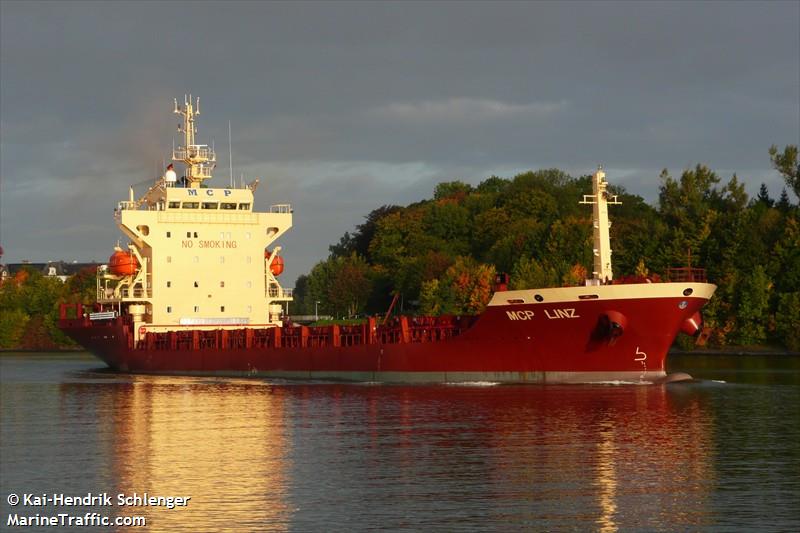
(277, 264)
(123, 263)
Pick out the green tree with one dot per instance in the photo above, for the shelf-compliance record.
(788, 320)
(528, 273)
(360, 240)
(752, 309)
(686, 207)
(342, 285)
(452, 189)
(788, 165)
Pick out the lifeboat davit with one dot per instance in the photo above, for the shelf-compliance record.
(277, 264)
(123, 263)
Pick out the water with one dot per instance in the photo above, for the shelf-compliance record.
(718, 454)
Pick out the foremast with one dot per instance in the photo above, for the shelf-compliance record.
(601, 199)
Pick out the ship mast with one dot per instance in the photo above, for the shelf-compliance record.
(199, 159)
(602, 244)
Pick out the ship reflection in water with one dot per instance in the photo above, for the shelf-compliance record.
(221, 443)
(255, 456)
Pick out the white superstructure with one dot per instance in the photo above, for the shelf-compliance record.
(200, 252)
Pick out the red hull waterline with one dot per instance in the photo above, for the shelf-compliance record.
(567, 335)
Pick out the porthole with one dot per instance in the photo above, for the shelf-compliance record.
(687, 292)
(538, 298)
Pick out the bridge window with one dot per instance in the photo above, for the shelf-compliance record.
(210, 205)
(244, 207)
(191, 205)
(174, 205)
(227, 205)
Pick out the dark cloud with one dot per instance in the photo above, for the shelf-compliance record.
(343, 107)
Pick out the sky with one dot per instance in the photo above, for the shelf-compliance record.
(340, 108)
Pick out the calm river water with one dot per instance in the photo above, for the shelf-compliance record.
(718, 454)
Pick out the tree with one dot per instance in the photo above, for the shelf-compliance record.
(763, 196)
(341, 284)
(465, 288)
(456, 190)
(788, 320)
(752, 309)
(301, 297)
(686, 206)
(351, 287)
(359, 241)
(783, 202)
(787, 164)
(528, 273)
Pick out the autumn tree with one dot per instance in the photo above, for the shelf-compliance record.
(465, 288)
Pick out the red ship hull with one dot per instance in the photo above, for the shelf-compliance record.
(555, 341)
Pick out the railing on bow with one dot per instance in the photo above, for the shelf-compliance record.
(684, 274)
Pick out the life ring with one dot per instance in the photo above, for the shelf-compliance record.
(142, 330)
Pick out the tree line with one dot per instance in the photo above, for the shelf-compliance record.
(29, 307)
(441, 255)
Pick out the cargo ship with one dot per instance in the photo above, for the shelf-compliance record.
(196, 292)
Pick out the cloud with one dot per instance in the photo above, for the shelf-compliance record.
(465, 110)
